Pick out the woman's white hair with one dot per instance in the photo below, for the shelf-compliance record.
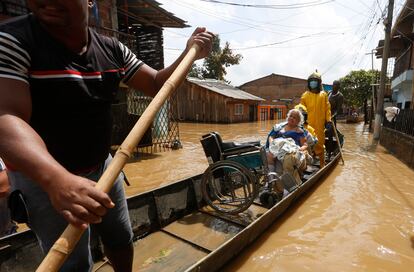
(301, 118)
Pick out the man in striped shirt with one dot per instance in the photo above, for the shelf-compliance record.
(58, 78)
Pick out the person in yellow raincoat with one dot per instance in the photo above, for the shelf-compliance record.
(319, 112)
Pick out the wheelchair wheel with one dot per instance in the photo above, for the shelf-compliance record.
(228, 187)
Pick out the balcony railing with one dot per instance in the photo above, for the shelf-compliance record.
(403, 122)
(402, 63)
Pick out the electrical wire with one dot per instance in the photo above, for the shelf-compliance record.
(288, 6)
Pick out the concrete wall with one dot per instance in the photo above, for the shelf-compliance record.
(399, 144)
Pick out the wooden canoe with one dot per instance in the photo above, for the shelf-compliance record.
(174, 230)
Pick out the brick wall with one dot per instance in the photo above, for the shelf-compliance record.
(275, 87)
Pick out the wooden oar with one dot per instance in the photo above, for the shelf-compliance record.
(70, 237)
(339, 144)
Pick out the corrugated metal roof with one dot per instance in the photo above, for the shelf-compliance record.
(223, 88)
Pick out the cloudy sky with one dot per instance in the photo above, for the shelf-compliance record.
(288, 37)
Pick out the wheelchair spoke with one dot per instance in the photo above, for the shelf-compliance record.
(228, 187)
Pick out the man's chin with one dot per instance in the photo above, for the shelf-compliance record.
(52, 20)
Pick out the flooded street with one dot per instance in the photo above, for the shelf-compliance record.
(359, 218)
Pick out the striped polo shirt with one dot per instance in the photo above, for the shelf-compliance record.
(71, 94)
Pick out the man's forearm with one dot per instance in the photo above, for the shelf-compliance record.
(164, 74)
(25, 151)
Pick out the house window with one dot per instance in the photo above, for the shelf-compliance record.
(238, 109)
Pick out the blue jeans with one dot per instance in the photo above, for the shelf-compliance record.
(48, 224)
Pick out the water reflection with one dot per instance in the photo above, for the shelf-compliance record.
(360, 218)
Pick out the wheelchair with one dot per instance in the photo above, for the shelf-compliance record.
(238, 175)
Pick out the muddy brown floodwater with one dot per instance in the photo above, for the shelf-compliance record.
(359, 218)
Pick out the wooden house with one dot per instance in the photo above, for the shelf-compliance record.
(213, 101)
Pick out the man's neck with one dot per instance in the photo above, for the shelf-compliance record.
(75, 40)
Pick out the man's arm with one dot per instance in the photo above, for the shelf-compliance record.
(149, 80)
(328, 117)
(340, 104)
(72, 196)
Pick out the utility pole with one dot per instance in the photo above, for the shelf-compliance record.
(383, 76)
(372, 111)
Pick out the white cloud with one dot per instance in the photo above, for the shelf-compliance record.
(340, 36)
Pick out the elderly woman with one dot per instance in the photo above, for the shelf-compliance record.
(291, 129)
(291, 153)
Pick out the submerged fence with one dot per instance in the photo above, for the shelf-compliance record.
(403, 122)
(164, 132)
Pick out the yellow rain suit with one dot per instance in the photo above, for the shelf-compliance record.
(310, 129)
(319, 112)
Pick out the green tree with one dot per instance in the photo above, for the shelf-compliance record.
(356, 88)
(196, 71)
(214, 66)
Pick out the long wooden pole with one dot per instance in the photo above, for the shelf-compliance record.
(337, 141)
(70, 237)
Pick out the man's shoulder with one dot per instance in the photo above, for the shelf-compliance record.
(19, 23)
(18, 28)
(305, 94)
(104, 40)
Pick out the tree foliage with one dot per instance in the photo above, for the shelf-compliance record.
(214, 66)
(356, 86)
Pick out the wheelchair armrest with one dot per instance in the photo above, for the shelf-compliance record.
(240, 150)
(229, 145)
(254, 143)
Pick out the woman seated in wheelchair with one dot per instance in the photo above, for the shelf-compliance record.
(287, 148)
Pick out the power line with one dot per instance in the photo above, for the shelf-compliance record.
(273, 43)
(285, 41)
(362, 2)
(288, 6)
(342, 5)
(236, 20)
(361, 40)
(379, 6)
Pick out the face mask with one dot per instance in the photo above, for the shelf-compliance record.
(313, 84)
